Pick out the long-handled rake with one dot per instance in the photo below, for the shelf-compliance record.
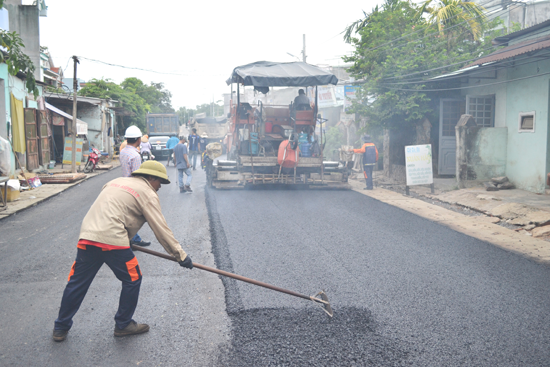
(322, 301)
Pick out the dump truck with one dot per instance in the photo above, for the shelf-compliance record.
(214, 127)
(164, 124)
(276, 144)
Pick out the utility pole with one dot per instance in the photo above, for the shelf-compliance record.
(75, 86)
(304, 50)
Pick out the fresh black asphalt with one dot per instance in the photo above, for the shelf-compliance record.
(405, 291)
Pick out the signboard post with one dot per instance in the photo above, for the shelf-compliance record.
(68, 151)
(418, 166)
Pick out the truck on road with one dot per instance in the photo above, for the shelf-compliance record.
(164, 124)
(215, 128)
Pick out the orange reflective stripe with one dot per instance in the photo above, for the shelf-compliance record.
(72, 272)
(81, 246)
(365, 172)
(131, 265)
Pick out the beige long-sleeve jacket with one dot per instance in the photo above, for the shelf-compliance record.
(121, 209)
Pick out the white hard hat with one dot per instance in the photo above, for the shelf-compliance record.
(133, 132)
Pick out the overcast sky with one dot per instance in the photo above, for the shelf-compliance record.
(200, 40)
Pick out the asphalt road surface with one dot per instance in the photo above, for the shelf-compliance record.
(184, 308)
(405, 291)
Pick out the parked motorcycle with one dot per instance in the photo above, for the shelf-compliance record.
(93, 160)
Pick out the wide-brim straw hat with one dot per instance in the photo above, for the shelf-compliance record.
(153, 168)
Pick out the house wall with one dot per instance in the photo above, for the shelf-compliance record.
(527, 158)
(92, 116)
(5, 108)
(487, 151)
(499, 90)
(24, 19)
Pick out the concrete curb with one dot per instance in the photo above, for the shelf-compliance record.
(478, 227)
(49, 191)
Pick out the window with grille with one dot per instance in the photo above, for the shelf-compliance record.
(527, 122)
(482, 108)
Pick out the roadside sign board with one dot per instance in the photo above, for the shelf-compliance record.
(67, 151)
(418, 165)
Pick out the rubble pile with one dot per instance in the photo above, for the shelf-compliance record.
(498, 183)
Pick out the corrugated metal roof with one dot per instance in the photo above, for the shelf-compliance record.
(508, 37)
(514, 50)
(81, 125)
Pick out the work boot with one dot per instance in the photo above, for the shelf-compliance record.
(140, 243)
(188, 188)
(133, 328)
(60, 335)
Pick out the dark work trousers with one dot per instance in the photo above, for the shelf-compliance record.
(367, 170)
(126, 268)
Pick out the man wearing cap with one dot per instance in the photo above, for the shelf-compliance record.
(130, 160)
(370, 157)
(120, 210)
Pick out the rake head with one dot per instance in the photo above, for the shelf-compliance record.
(323, 302)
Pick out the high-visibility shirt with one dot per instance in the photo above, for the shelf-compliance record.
(370, 153)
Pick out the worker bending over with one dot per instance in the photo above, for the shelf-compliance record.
(370, 157)
(120, 210)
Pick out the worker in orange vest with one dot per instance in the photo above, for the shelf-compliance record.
(370, 157)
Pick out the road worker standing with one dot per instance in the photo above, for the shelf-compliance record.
(120, 210)
(370, 157)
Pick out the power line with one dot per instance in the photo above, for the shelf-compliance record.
(497, 67)
(465, 87)
(468, 60)
(444, 41)
(129, 67)
(429, 34)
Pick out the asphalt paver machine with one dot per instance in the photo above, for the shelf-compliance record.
(276, 144)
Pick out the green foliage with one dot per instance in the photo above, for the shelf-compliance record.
(455, 17)
(16, 60)
(334, 140)
(392, 51)
(156, 96)
(127, 97)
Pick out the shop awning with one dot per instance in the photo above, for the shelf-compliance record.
(81, 126)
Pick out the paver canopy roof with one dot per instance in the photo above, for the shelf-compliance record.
(281, 74)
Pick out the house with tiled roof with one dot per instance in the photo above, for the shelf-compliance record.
(508, 95)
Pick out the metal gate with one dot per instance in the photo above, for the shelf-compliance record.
(449, 113)
(44, 141)
(31, 139)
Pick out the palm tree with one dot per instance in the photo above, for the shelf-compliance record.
(455, 16)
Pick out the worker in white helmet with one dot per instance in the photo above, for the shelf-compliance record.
(130, 160)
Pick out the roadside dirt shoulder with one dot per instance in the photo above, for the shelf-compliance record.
(480, 227)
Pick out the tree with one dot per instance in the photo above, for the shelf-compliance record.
(127, 97)
(394, 53)
(454, 17)
(157, 97)
(16, 60)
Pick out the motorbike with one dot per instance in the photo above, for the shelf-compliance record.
(93, 160)
(146, 156)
